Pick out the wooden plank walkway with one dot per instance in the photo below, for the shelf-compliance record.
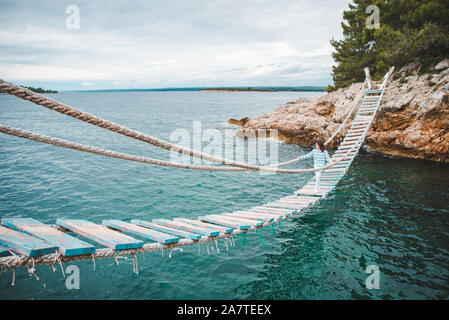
(24, 244)
(100, 234)
(187, 227)
(212, 227)
(164, 229)
(139, 231)
(353, 140)
(31, 238)
(67, 245)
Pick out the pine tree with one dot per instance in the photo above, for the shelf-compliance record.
(410, 30)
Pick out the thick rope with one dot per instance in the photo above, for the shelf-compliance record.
(348, 116)
(51, 104)
(124, 156)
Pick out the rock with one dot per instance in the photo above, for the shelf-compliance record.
(325, 108)
(240, 122)
(443, 64)
(412, 121)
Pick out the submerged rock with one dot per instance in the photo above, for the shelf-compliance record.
(412, 121)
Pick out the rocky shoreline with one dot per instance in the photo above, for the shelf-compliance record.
(412, 121)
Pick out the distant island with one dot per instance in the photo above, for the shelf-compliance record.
(261, 89)
(267, 89)
(40, 90)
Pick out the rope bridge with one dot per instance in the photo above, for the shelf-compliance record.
(28, 242)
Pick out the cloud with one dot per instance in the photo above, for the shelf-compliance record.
(170, 43)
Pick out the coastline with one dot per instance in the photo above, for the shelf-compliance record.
(412, 121)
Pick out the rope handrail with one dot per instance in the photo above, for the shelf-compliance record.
(51, 104)
(124, 156)
(342, 125)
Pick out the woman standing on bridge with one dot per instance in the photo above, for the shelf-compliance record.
(320, 157)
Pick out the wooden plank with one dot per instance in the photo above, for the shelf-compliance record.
(164, 229)
(335, 170)
(347, 148)
(265, 210)
(67, 245)
(304, 198)
(24, 244)
(139, 231)
(100, 234)
(362, 117)
(208, 226)
(187, 227)
(249, 216)
(253, 223)
(352, 139)
(224, 222)
(266, 213)
(329, 178)
(361, 121)
(355, 135)
(297, 200)
(351, 136)
(283, 205)
(365, 112)
(303, 204)
(310, 197)
(3, 251)
(299, 203)
(345, 160)
(284, 211)
(326, 186)
(357, 131)
(312, 192)
(323, 188)
(263, 215)
(343, 154)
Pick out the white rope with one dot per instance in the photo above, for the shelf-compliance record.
(89, 118)
(351, 111)
(13, 282)
(124, 156)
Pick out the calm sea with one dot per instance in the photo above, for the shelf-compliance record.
(391, 213)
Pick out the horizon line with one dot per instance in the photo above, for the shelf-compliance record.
(199, 88)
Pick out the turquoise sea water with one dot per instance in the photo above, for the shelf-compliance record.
(392, 213)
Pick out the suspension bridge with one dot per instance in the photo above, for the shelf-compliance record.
(27, 242)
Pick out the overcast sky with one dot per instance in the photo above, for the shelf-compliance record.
(157, 44)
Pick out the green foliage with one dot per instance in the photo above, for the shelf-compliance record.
(40, 90)
(330, 88)
(410, 30)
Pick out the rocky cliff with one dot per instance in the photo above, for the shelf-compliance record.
(412, 121)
